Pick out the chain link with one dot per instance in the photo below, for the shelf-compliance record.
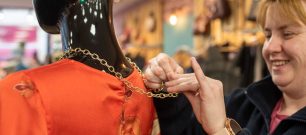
(73, 52)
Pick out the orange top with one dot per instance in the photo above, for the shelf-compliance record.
(70, 98)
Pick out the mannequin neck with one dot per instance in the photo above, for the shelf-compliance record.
(88, 26)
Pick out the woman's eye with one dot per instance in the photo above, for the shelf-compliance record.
(288, 35)
(268, 36)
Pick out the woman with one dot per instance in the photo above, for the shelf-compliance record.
(92, 90)
(274, 105)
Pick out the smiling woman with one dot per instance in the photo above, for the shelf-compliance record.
(283, 50)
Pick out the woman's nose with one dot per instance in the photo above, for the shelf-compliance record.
(274, 45)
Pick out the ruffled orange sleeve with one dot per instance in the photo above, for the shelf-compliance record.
(21, 109)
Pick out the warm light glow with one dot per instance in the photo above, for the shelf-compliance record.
(173, 20)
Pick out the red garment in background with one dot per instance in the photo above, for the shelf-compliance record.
(70, 98)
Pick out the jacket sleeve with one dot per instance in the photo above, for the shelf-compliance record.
(244, 131)
(232, 102)
(176, 117)
(21, 110)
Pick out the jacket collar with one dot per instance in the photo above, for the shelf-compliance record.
(265, 94)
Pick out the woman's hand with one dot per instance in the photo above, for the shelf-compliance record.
(160, 69)
(208, 105)
(183, 82)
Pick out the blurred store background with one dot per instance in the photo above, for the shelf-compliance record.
(222, 34)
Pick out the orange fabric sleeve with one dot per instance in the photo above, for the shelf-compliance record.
(21, 109)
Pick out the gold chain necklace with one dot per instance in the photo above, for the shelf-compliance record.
(73, 52)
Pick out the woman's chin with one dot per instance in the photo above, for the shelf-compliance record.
(280, 81)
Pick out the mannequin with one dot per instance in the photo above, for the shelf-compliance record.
(86, 24)
(94, 89)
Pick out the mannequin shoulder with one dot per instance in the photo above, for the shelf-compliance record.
(30, 75)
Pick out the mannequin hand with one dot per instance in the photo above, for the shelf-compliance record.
(160, 69)
(209, 105)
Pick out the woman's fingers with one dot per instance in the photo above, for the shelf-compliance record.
(212, 108)
(182, 83)
(151, 80)
(167, 64)
(160, 69)
(201, 78)
(198, 71)
(157, 70)
(153, 85)
(164, 67)
(177, 68)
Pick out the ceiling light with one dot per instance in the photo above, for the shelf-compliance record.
(173, 19)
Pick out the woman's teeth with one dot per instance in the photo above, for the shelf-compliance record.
(280, 63)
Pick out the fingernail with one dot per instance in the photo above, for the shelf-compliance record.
(166, 84)
(169, 90)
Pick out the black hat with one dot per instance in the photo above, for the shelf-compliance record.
(49, 13)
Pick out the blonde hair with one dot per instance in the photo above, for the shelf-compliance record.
(293, 9)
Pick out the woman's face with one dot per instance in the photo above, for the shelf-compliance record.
(284, 50)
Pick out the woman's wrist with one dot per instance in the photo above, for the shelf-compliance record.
(223, 131)
(231, 127)
(218, 128)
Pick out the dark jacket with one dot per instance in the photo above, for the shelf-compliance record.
(250, 107)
